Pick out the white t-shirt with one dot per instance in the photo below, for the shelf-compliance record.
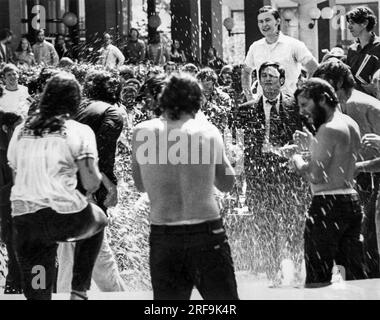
(17, 101)
(46, 168)
(289, 52)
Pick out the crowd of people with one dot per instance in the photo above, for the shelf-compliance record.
(62, 122)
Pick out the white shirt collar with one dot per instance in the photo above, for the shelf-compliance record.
(269, 106)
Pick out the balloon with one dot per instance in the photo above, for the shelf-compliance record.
(154, 21)
(70, 19)
(228, 23)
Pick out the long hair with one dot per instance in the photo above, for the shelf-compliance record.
(19, 48)
(335, 71)
(59, 101)
(102, 86)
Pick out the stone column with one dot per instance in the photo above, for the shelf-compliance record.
(307, 35)
(15, 16)
(217, 26)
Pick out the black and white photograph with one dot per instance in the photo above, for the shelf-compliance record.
(198, 151)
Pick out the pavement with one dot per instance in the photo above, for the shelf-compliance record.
(252, 288)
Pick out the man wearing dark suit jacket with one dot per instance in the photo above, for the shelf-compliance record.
(268, 125)
(6, 55)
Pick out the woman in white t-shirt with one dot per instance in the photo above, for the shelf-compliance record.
(46, 152)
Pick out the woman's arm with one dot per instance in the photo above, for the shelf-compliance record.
(89, 173)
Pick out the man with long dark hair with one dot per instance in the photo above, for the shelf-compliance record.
(188, 243)
(333, 225)
(103, 117)
(45, 154)
(365, 110)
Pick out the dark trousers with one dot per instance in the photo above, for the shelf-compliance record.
(36, 236)
(13, 278)
(332, 234)
(184, 256)
(368, 196)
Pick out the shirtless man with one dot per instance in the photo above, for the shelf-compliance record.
(332, 230)
(178, 159)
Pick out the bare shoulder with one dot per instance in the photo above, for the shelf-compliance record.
(340, 128)
(150, 125)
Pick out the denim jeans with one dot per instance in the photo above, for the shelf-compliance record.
(36, 235)
(188, 255)
(332, 234)
(105, 273)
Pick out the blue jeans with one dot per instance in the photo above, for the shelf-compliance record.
(191, 255)
(332, 234)
(36, 235)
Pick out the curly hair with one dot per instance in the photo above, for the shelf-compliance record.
(316, 89)
(335, 71)
(207, 74)
(60, 100)
(181, 94)
(102, 86)
(362, 14)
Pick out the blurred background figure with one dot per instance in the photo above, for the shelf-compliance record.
(336, 52)
(156, 51)
(6, 54)
(61, 48)
(126, 72)
(24, 54)
(110, 56)
(213, 61)
(44, 52)
(65, 63)
(190, 68)
(177, 55)
(134, 50)
(170, 67)
(225, 76)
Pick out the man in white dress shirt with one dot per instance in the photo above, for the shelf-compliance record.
(110, 56)
(289, 52)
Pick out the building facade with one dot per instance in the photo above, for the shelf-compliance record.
(197, 24)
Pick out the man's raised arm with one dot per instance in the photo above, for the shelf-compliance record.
(246, 81)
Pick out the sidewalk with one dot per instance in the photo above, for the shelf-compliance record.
(250, 288)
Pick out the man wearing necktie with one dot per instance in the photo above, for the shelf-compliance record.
(274, 195)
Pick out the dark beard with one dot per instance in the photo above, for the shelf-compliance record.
(319, 118)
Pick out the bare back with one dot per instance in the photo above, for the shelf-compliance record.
(339, 144)
(180, 175)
